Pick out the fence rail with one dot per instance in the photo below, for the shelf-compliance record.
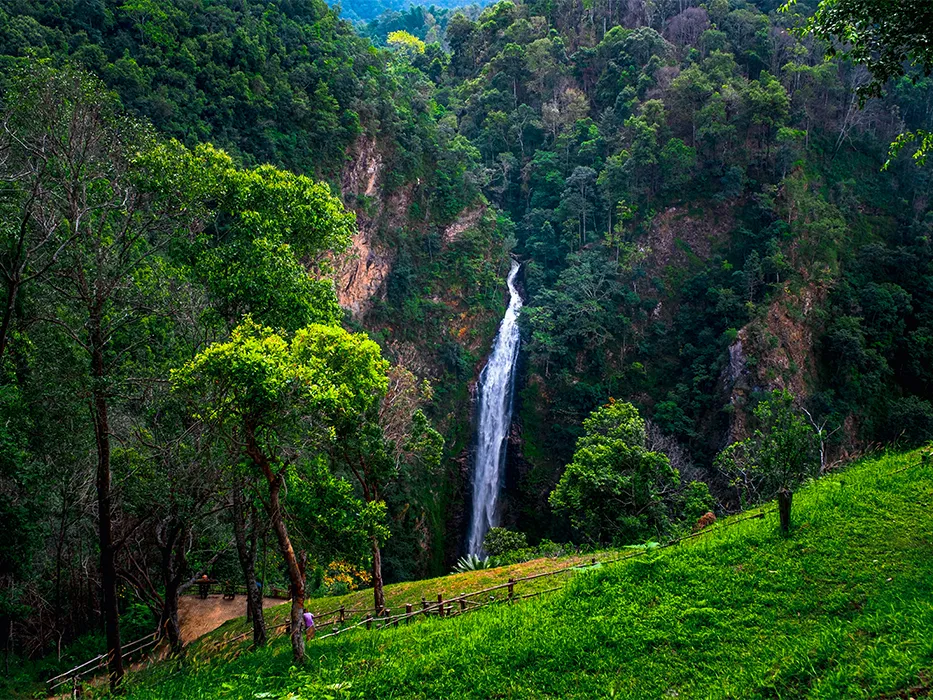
(271, 592)
(99, 662)
(342, 618)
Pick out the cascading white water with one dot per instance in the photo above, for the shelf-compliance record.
(495, 415)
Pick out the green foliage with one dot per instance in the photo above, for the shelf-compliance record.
(499, 541)
(259, 378)
(841, 606)
(696, 501)
(614, 490)
(669, 188)
(471, 562)
(887, 39)
(271, 224)
(779, 455)
(405, 43)
(237, 74)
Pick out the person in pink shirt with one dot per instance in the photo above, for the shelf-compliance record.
(309, 623)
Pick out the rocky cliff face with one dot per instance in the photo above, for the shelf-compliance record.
(680, 238)
(773, 352)
(449, 318)
(362, 271)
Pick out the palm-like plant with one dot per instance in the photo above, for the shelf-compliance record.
(472, 562)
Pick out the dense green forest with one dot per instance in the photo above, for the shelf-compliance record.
(366, 11)
(253, 258)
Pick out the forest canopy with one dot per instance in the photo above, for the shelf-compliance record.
(253, 260)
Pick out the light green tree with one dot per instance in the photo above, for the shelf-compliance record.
(275, 402)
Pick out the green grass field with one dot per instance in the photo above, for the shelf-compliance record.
(841, 608)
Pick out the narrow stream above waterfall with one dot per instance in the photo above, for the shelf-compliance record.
(496, 383)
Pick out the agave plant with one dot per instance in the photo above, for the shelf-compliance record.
(472, 562)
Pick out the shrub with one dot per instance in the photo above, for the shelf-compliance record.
(500, 541)
(909, 421)
(615, 490)
(697, 500)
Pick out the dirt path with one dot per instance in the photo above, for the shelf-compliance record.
(197, 617)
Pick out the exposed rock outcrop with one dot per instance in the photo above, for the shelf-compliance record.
(468, 219)
(680, 237)
(362, 272)
(781, 344)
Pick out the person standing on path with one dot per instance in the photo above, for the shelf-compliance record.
(309, 624)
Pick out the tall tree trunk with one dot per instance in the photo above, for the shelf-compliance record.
(295, 575)
(169, 622)
(247, 557)
(174, 565)
(784, 502)
(108, 572)
(379, 597)
(294, 570)
(9, 307)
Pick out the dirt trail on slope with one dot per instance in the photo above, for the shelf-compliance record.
(197, 617)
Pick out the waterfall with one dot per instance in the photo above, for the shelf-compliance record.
(496, 383)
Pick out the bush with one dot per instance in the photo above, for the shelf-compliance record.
(500, 541)
(909, 421)
(545, 548)
(697, 500)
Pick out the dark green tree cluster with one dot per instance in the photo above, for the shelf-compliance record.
(599, 127)
(174, 373)
(287, 83)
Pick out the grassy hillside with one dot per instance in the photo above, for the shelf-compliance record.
(841, 608)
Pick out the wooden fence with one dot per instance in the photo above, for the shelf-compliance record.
(343, 619)
(219, 588)
(74, 675)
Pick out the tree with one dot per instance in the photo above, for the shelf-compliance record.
(173, 495)
(577, 203)
(246, 546)
(580, 313)
(499, 541)
(33, 154)
(385, 445)
(777, 457)
(888, 38)
(885, 36)
(266, 233)
(405, 43)
(678, 160)
(108, 229)
(615, 490)
(275, 402)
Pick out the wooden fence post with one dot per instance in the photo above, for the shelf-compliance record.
(341, 618)
(511, 589)
(440, 604)
(462, 602)
(784, 501)
(424, 603)
(407, 613)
